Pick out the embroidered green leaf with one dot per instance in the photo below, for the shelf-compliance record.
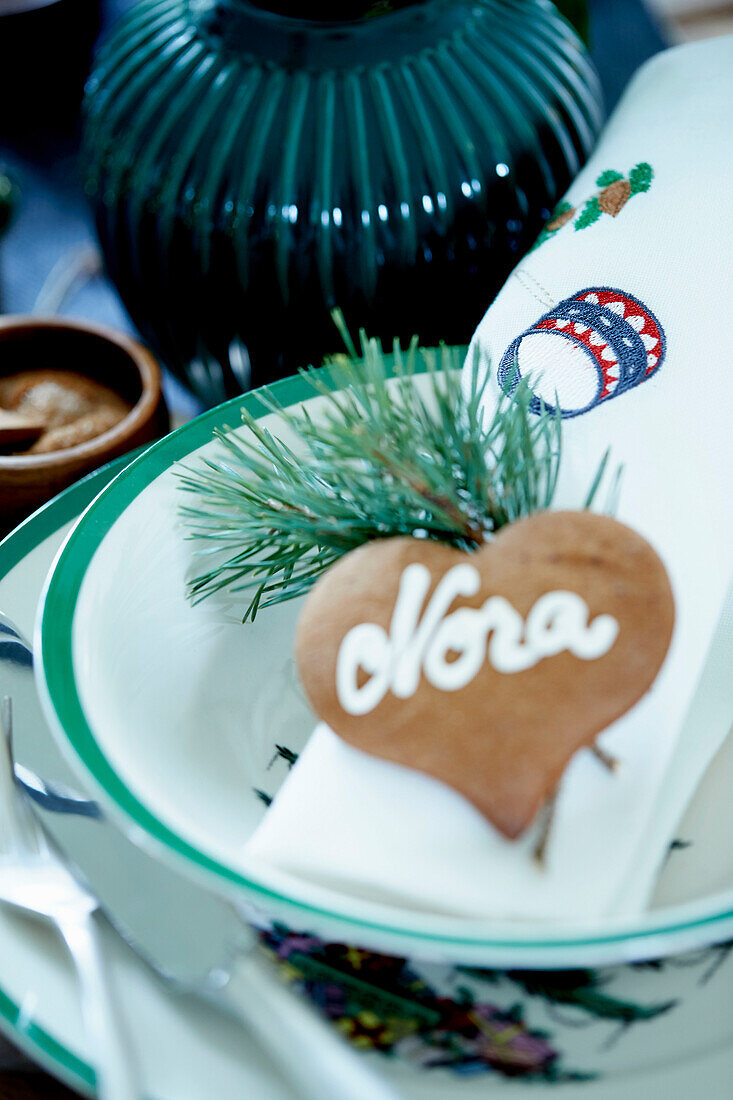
(561, 208)
(590, 213)
(640, 177)
(609, 176)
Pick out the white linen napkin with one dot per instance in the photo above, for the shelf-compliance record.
(622, 315)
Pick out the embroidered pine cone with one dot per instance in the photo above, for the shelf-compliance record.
(613, 198)
(561, 219)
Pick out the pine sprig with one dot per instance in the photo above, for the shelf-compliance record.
(379, 459)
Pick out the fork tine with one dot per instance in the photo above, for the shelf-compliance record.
(18, 829)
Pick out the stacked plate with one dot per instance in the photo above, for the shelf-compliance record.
(181, 723)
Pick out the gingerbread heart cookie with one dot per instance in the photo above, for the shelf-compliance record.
(488, 670)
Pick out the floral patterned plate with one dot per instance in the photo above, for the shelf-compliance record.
(459, 1025)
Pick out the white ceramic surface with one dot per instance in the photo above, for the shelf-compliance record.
(186, 706)
(189, 1052)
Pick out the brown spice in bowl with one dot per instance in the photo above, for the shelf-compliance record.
(69, 407)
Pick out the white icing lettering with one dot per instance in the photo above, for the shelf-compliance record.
(394, 661)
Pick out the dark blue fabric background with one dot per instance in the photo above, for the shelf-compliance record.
(53, 219)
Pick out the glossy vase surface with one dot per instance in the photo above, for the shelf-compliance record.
(251, 171)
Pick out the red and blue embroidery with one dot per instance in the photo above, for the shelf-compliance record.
(605, 342)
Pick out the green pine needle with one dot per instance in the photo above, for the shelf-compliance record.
(640, 178)
(590, 213)
(380, 459)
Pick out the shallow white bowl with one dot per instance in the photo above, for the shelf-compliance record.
(607, 1022)
(174, 712)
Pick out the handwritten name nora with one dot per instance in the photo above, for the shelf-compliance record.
(393, 662)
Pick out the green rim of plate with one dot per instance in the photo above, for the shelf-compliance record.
(54, 648)
(13, 548)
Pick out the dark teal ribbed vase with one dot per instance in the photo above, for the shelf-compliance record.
(251, 170)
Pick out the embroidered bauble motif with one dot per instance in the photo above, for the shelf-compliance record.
(585, 350)
(488, 670)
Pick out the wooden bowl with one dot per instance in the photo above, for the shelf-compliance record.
(100, 353)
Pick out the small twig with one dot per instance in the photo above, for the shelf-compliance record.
(464, 525)
(540, 848)
(606, 758)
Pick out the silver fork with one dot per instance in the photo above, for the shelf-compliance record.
(36, 878)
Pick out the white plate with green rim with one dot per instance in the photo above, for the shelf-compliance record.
(623, 1020)
(174, 712)
(188, 1052)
